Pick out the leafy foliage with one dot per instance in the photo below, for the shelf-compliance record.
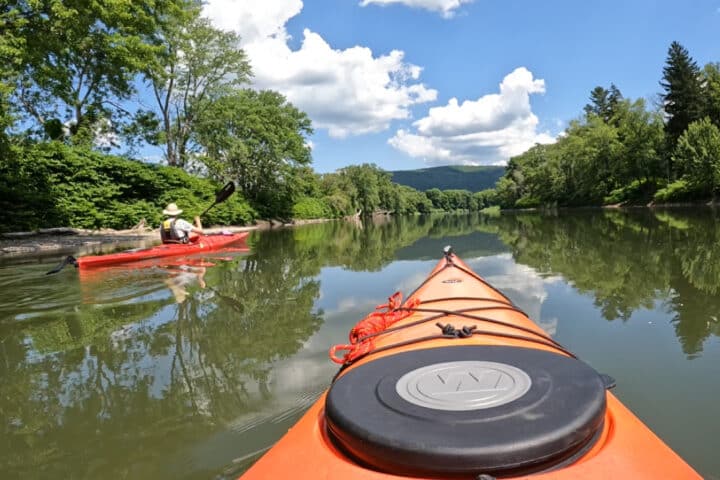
(623, 152)
(310, 208)
(79, 58)
(711, 80)
(52, 184)
(698, 155)
(257, 138)
(683, 92)
(677, 191)
(603, 102)
(198, 63)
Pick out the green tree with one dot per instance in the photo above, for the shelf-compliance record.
(366, 179)
(698, 154)
(339, 194)
(415, 201)
(506, 192)
(603, 102)
(458, 199)
(589, 161)
(711, 84)
(682, 97)
(485, 198)
(12, 46)
(640, 133)
(198, 64)
(81, 58)
(259, 139)
(438, 198)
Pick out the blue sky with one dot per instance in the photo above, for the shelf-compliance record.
(406, 84)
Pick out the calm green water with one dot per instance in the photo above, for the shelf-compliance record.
(192, 372)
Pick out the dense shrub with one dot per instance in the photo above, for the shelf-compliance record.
(309, 207)
(527, 201)
(637, 190)
(678, 191)
(52, 184)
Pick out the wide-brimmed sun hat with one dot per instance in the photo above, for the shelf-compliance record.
(172, 210)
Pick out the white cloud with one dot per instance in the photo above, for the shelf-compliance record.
(445, 7)
(254, 20)
(347, 92)
(488, 130)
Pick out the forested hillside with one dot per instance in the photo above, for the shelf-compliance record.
(472, 178)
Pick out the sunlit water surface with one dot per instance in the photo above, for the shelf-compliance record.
(192, 371)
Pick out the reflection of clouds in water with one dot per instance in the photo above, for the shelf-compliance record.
(122, 334)
(409, 284)
(549, 325)
(522, 284)
(293, 385)
(354, 305)
(302, 373)
(345, 304)
(337, 323)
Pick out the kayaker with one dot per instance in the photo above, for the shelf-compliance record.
(177, 230)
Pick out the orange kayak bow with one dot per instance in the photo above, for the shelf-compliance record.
(457, 382)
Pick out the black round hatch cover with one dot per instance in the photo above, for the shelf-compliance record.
(466, 409)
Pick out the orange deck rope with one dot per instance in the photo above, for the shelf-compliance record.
(362, 334)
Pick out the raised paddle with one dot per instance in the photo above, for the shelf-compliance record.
(221, 195)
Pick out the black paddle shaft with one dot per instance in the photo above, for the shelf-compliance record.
(221, 196)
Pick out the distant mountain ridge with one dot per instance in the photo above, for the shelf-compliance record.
(450, 177)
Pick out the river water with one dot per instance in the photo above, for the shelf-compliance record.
(193, 370)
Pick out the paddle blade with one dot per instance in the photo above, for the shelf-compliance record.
(221, 195)
(69, 260)
(225, 192)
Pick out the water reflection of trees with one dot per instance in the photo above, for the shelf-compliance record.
(119, 386)
(629, 260)
(361, 249)
(375, 245)
(116, 389)
(129, 373)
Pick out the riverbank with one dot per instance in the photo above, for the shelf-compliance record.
(59, 240)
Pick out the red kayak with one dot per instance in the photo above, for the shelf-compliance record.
(206, 243)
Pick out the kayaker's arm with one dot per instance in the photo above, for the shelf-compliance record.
(198, 228)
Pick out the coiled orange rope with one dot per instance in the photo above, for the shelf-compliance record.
(364, 332)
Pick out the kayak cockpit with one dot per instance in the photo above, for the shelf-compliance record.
(471, 409)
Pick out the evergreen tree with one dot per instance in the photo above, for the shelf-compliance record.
(603, 102)
(683, 99)
(598, 102)
(614, 99)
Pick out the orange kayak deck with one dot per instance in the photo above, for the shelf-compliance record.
(609, 441)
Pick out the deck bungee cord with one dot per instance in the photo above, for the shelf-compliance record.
(456, 381)
(379, 322)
